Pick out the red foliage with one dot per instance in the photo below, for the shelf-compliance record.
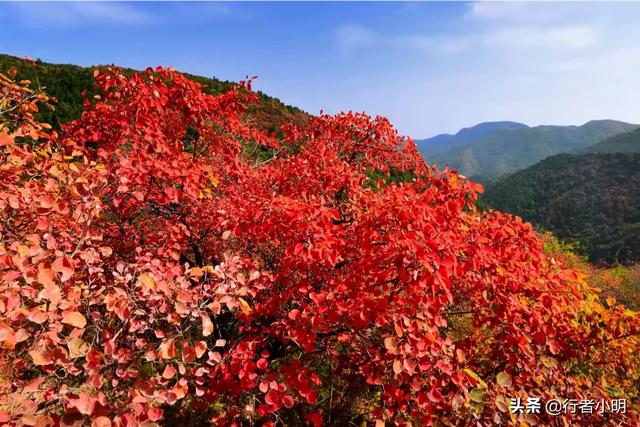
(152, 273)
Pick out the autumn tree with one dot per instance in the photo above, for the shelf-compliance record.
(154, 269)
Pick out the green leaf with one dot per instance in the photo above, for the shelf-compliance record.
(477, 395)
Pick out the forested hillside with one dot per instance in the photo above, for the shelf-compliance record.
(66, 83)
(628, 142)
(592, 199)
(504, 151)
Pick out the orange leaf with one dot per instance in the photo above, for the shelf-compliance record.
(46, 276)
(7, 336)
(201, 347)
(101, 422)
(169, 372)
(167, 349)
(207, 325)
(244, 306)
(85, 403)
(38, 358)
(63, 266)
(75, 319)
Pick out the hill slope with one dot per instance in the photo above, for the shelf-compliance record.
(66, 83)
(503, 151)
(628, 142)
(593, 199)
(467, 136)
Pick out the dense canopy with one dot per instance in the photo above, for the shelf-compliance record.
(164, 261)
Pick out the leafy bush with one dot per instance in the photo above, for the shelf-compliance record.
(151, 273)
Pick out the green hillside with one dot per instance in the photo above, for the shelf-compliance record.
(432, 147)
(504, 151)
(628, 142)
(67, 82)
(592, 199)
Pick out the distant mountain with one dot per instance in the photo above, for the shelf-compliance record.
(466, 136)
(628, 142)
(501, 151)
(593, 199)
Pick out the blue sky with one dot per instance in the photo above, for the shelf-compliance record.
(429, 67)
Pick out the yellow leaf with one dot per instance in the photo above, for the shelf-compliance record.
(504, 379)
(397, 366)
(147, 281)
(77, 347)
(244, 306)
(38, 358)
(390, 345)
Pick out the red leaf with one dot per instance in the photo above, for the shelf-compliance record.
(169, 372)
(316, 419)
(262, 363)
(201, 348)
(435, 396)
(288, 401)
(294, 314)
(272, 398)
(154, 413)
(84, 403)
(554, 346)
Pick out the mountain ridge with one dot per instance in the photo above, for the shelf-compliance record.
(444, 141)
(505, 150)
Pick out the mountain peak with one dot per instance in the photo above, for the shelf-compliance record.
(464, 137)
(486, 127)
(625, 127)
(491, 126)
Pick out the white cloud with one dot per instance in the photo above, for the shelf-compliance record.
(499, 26)
(352, 37)
(524, 12)
(553, 37)
(432, 44)
(79, 13)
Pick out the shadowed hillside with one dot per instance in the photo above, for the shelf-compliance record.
(592, 199)
(628, 142)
